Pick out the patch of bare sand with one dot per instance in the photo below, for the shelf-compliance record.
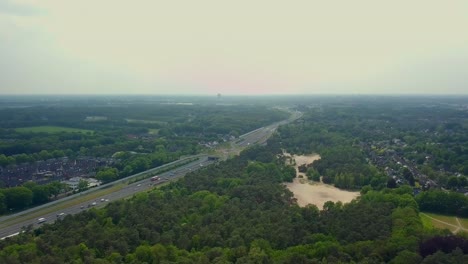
(305, 159)
(309, 192)
(318, 193)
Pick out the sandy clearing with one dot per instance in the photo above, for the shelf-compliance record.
(309, 192)
(318, 193)
(305, 159)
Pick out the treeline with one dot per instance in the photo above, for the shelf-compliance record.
(443, 202)
(238, 212)
(29, 194)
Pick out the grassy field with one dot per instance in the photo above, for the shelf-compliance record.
(153, 131)
(464, 222)
(431, 220)
(141, 121)
(52, 129)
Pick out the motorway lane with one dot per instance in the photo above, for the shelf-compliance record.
(127, 191)
(258, 136)
(74, 196)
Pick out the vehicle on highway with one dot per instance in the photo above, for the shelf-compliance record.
(155, 178)
(41, 220)
(60, 215)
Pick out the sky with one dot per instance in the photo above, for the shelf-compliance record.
(251, 47)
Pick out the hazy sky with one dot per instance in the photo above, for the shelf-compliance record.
(233, 47)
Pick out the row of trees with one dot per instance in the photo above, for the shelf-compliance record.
(25, 158)
(443, 202)
(17, 198)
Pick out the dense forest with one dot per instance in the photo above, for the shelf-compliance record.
(237, 211)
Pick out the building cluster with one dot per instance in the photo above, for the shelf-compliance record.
(74, 182)
(382, 155)
(61, 169)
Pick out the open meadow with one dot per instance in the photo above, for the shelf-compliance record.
(452, 223)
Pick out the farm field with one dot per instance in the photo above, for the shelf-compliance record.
(52, 129)
(452, 223)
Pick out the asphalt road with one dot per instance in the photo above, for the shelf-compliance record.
(14, 227)
(10, 227)
(259, 136)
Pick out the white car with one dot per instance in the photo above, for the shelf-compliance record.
(41, 220)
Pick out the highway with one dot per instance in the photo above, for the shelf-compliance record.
(12, 224)
(260, 135)
(9, 226)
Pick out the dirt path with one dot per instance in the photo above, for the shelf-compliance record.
(458, 227)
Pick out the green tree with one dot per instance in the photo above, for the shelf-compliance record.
(55, 188)
(405, 257)
(313, 174)
(41, 194)
(3, 205)
(107, 175)
(82, 185)
(391, 183)
(452, 182)
(4, 160)
(462, 181)
(45, 155)
(18, 197)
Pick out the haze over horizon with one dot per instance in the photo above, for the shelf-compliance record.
(243, 47)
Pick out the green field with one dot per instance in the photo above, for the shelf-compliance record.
(141, 121)
(52, 129)
(452, 223)
(153, 131)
